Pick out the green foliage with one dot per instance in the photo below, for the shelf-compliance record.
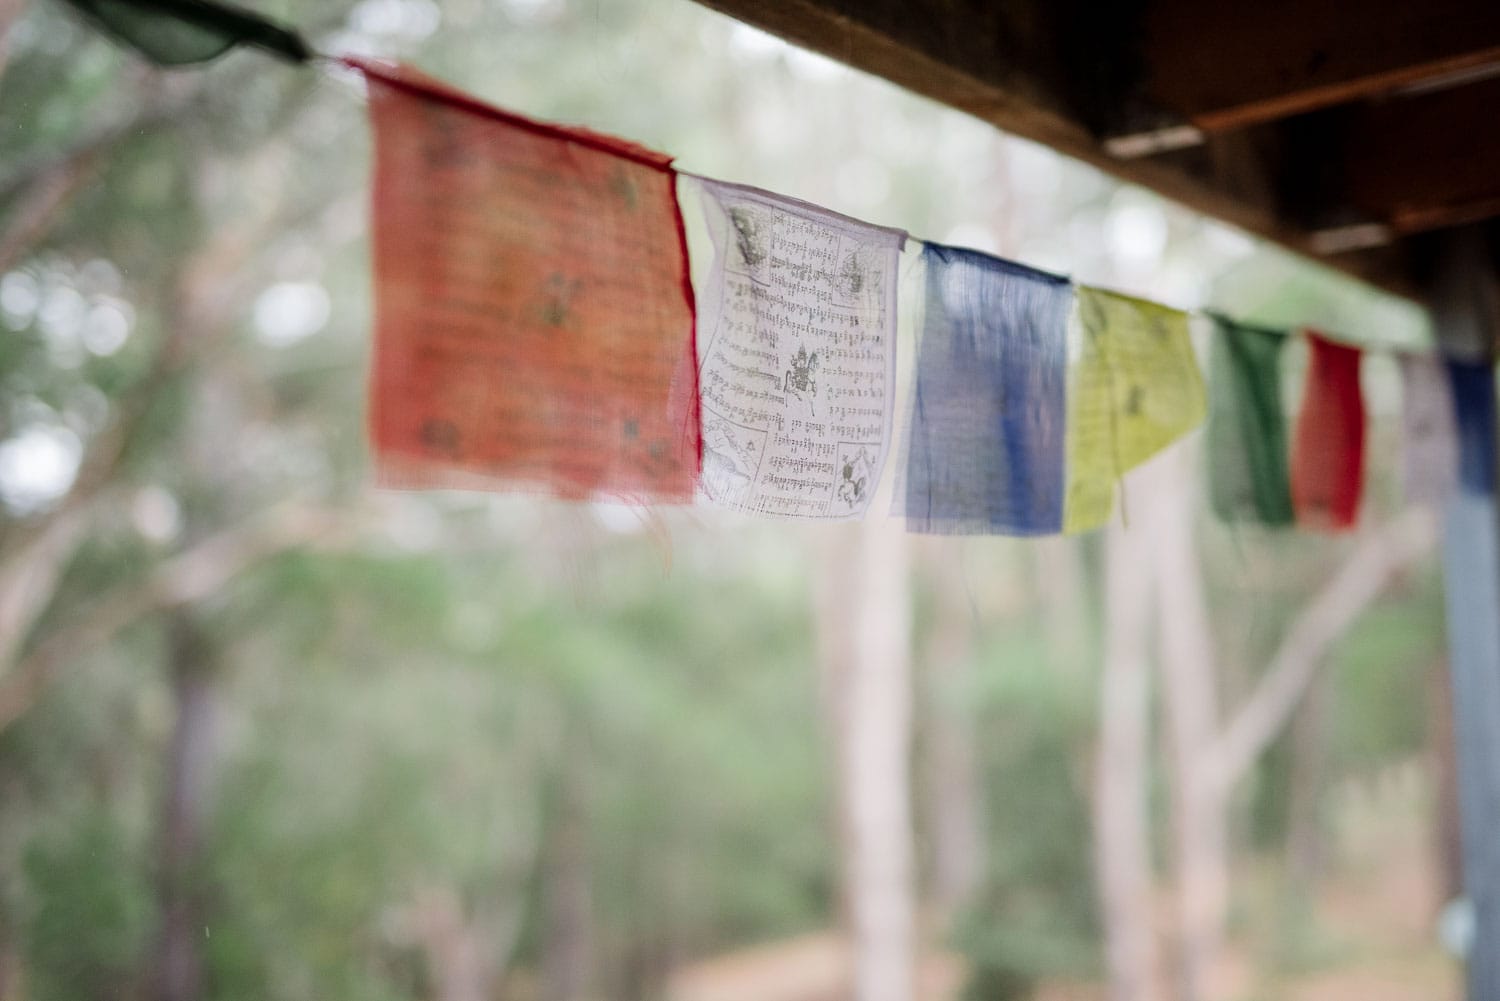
(84, 936)
(1383, 672)
(1034, 917)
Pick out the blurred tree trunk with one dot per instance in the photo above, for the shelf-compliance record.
(205, 443)
(951, 781)
(12, 981)
(29, 576)
(1121, 824)
(567, 882)
(865, 635)
(10, 12)
(1190, 703)
(178, 963)
(1304, 829)
(456, 957)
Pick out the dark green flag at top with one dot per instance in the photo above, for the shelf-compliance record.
(179, 32)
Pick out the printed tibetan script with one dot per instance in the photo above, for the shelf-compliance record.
(797, 334)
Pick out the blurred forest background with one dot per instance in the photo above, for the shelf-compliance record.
(267, 733)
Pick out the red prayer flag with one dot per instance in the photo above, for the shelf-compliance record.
(533, 308)
(1328, 452)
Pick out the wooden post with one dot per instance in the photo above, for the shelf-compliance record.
(1466, 307)
(1122, 825)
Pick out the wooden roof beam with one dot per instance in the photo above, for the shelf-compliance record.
(1405, 165)
(1216, 67)
(1427, 162)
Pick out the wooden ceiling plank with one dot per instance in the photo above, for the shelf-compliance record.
(1423, 162)
(1230, 65)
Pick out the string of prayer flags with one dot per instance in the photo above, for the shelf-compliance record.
(985, 450)
(1429, 430)
(1134, 388)
(180, 32)
(534, 314)
(1247, 434)
(536, 330)
(798, 330)
(1474, 404)
(1328, 452)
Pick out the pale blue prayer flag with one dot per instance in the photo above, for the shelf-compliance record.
(986, 451)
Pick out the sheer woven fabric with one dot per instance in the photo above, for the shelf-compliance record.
(1246, 437)
(798, 325)
(179, 32)
(1134, 387)
(1429, 430)
(985, 446)
(534, 316)
(1474, 404)
(1328, 453)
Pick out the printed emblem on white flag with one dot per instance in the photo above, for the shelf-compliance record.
(797, 331)
(1429, 430)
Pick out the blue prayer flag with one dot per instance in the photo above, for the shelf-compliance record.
(986, 442)
(1474, 406)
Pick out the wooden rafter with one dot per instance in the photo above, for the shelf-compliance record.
(1428, 161)
(1226, 66)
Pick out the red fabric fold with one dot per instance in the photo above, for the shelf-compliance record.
(534, 313)
(1328, 451)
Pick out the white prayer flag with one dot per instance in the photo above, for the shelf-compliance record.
(796, 334)
(1429, 429)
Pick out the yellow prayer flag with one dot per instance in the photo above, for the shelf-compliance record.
(1134, 387)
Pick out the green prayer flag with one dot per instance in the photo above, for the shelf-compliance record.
(179, 32)
(1247, 426)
